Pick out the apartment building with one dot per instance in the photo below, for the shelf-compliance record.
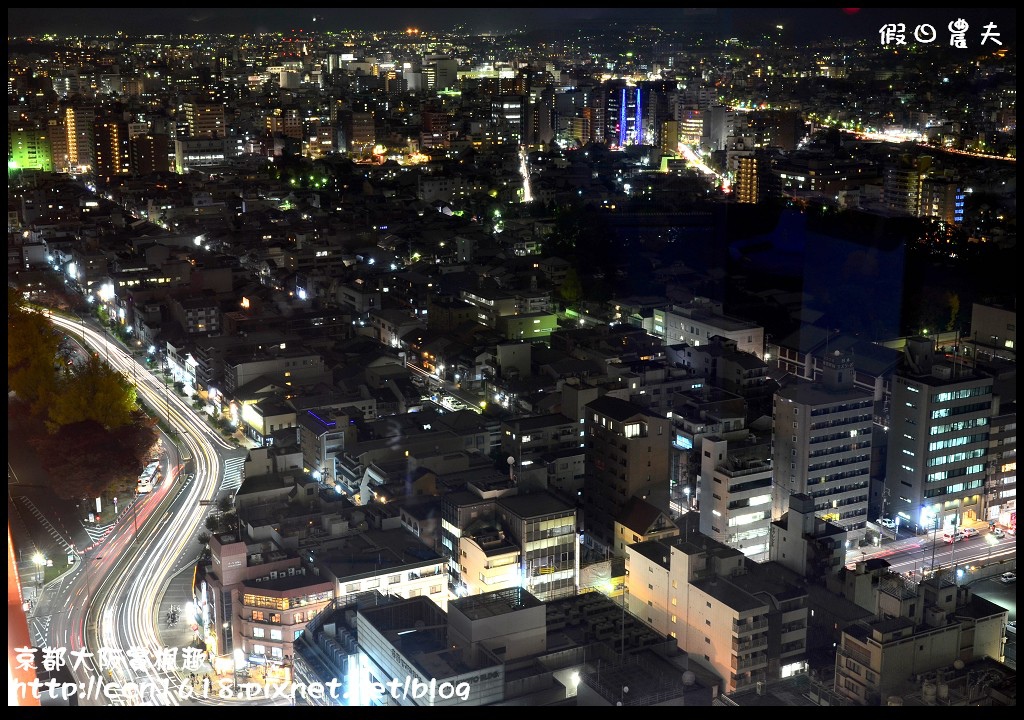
(821, 445)
(734, 617)
(696, 324)
(627, 451)
(939, 439)
(920, 631)
(486, 527)
(736, 492)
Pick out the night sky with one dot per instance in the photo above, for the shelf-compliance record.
(800, 24)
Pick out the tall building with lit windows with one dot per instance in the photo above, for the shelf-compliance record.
(939, 437)
(901, 183)
(821, 445)
(746, 185)
(79, 124)
(736, 503)
(112, 155)
(1001, 486)
(149, 154)
(29, 147)
(508, 114)
(623, 114)
(205, 120)
(691, 126)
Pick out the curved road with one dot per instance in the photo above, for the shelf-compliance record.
(113, 597)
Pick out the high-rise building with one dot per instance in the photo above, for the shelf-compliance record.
(359, 132)
(441, 72)
(29, 147)
(736, 503)
(285, 121)
(508, 114)
(112, 155)
(495, 538)
(720, 123)
(901, 184)
(622, 117)
(1001, 481)
(993, 333)
(57, 132)
(79, 123)
(205, 120)
(540, 119)
(943, 199)
(746, 184)
(691, 126)
(821, 445)
(938, 439)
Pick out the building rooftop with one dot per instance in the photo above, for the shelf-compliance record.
(536, 504)
(373, 552)
(495, 603)
(418, 631)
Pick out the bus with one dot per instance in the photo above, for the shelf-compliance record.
(149, 477)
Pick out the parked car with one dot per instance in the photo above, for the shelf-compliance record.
(1012, 532)
(886, 522)
(1008, 577)
(951, 537)
(998, 533)
(969, 533)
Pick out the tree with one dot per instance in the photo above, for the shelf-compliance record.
(954, 312)
(32, 346)
(84, 460)
(96, 392)
(571, 289)
(137, 438)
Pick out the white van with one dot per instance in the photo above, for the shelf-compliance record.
(950, 537)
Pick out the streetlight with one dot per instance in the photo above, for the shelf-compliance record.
(40, 562)
(992, 542)
(952, 551)
(936, 518)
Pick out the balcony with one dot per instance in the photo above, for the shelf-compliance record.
(745, 628)
(757, 661)
(746, 646)
(855, 654)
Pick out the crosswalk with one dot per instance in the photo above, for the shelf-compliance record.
(96, 533)
(46, 524)
(40, 629)
(234, 471)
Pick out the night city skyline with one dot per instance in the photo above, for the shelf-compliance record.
(802, 25)
(522, 357)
